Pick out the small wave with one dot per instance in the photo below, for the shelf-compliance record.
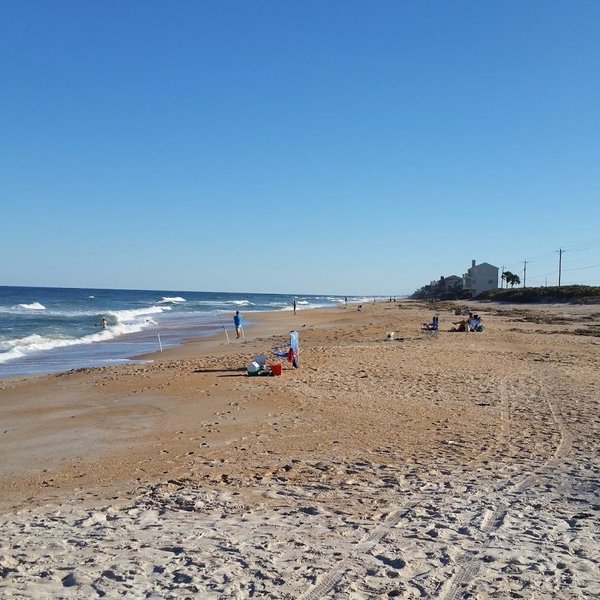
(17, 348)
(36, 343)
(365, 299)
(174, 299)
(91, 296)
(33, 306)
(240, 302)
(126, 316)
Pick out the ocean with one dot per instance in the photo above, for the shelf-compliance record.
(45, 330)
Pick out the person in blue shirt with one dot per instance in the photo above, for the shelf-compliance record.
(237, 321)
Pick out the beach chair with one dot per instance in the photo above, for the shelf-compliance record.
(431, 329)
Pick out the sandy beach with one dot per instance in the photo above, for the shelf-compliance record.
(457, 465)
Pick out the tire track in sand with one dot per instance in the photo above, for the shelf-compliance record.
(372, 538)
(504, 435)
(322, 588)
(493, 520)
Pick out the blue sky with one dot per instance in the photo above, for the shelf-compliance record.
(303, 147)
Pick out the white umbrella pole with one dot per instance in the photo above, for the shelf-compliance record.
(159, 342)
(224, 328)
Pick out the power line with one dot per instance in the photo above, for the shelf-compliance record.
(584, 245)
(541, 258)
(581, 268)
(577, 247)
(542, 275)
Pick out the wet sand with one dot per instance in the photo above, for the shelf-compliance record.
(448, 466)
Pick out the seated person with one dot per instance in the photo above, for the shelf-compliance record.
(473, 323)
(460, 326)
(464, 325)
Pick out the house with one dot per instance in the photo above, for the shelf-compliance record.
(443, 288)
(480, 278)
(450, 283)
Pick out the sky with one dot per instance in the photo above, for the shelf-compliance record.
(340, 147)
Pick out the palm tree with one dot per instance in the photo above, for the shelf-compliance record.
(510, 278)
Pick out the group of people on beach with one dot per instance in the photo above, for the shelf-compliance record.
(472, 323)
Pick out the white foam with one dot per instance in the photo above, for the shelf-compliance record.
(36, 343)
(33, 306)
(174, 299)
(127, 316)
(127, 321)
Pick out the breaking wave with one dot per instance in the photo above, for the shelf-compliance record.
(33, 306)
(121, 322)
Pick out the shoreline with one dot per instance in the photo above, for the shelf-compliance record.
(47, 331)
(376, 468)
(265, 325)
(29, 393)
(134, 358)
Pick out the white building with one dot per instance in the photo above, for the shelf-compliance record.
(480, 278)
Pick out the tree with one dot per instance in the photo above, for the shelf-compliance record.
(511, 279)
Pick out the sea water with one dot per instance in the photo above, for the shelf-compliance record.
(57, 329)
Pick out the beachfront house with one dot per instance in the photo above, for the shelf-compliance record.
(452, 283)
(480, 278)
(445, 288)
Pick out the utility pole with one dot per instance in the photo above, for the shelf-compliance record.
(560, 253)
(524, 272)
(502, 278)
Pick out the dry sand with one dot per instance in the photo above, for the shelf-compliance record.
(462, 465)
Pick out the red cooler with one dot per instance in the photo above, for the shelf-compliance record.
(276, 369)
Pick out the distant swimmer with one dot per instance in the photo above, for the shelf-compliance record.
(104, 323)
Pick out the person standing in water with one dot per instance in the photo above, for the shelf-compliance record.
(237, 321)
(294, 305)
